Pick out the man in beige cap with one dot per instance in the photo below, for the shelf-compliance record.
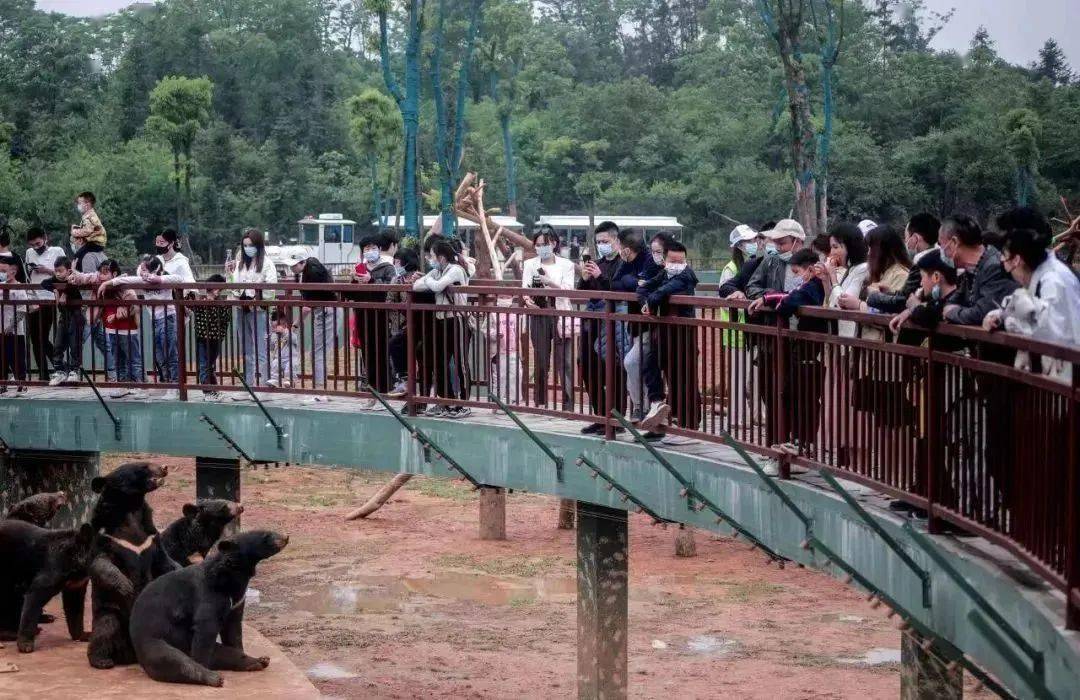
(773, 275)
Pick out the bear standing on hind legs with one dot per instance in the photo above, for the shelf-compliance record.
(176, 621)
(127, 557)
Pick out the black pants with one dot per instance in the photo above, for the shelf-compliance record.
(374, 326)
(39, 326)
(399, 356)
(13, 358)
(676, 358)
(593, 371)
(448, 359)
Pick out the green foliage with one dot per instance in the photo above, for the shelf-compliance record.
(179, 107)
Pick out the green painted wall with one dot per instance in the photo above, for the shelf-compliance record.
(505, 457)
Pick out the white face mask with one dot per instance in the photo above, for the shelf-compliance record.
(674, 268)
(250, 251)
(3, 277)
(750, 249)
(603, 249)
(658, 258)
(786, 256)
(371, 256)
(545, 251)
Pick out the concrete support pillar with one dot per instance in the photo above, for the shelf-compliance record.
(925, 677)
(219, 478)
(492, 513)
(685, 546)
(24, 473)
(601, 602)
(566, 514)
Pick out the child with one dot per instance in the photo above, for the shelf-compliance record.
(123, 344)
(70, 326)
(13, 357)
(810, 292)
(88, 238)
(211, 326)
(152, 271)
(284, 349)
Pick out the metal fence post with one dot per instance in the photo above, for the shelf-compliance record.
(609, 369)
(934, 449)
(410, 353)
(181, 348)
(780, 396)
(1072, 538)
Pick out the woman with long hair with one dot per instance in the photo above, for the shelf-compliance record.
(252, 266)
(845, 270)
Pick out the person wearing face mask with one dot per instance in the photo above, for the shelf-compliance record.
(441, 342)
(938, 280)
(596, 275)
(676, 345)
(920, 237)
(753, 252)
(406, 264)
(550, 335)
(373, 325)
(14, 360)
(253, 266)
(984, 283)
(89, 237)
(773, 275)
(40, 264)
(639, 361)
(167, 247)
(324, 319)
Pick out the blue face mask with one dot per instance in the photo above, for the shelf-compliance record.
(371, 256)
(770, 249)
(545, 251)
(750, 249)
(785, 256)
(603, 249)
(399, 270)
(935, 293)
(250, 251)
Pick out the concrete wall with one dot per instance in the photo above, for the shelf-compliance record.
(505, 457)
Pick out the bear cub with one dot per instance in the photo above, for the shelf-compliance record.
(188, 539)
(38, 509)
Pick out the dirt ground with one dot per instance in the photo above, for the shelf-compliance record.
(409, 603)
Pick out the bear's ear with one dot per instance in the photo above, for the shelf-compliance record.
(85, 533)
(226, 546)
(97, 484)
(191, 510)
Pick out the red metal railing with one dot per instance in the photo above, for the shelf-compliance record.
(946, 424)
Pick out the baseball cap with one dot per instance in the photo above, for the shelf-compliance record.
(867, 225)
(741, 233)
(292, 259)
(786, 228)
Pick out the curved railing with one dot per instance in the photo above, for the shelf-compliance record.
(942, 421)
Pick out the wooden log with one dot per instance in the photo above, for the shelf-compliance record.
(380, 498)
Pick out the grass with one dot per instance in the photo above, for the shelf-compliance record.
(523, 566)
(750, 591)
(442, 488)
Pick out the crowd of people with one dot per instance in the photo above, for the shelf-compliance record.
(931, 273)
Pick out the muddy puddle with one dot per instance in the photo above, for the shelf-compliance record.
(388, 594)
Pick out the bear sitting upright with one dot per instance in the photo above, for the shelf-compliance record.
(38, 564)
(38, 509)
(188, 539)
(176, 621)
(127, 556)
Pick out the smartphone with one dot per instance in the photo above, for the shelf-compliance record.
(586, 258)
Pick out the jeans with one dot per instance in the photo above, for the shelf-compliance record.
(641, 369)
(168, 366)
(207, 353)
(255, 345)
(97, 335)
(71, 331)
(323, 341)
(284, 358)
(123, 357)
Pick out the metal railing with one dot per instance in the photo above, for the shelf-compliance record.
(944, 422)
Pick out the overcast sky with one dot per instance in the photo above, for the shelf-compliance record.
(1018, 26)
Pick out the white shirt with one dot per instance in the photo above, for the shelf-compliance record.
(46, 260)
(438, 281)
(267, 275)
(561, 273)
(852, 282)
(13, 316)
(160, 310)
(1055, 283)
(178, 265)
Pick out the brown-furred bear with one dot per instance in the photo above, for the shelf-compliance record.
(188, 539)
(176, 621)
(38, 564)
(38, 509)
(127, 556)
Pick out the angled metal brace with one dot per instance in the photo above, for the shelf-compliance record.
(948, 650)
(692, 493)
(420, 435)
(807, 521)
(1001, 645)
(922, 573)
(101, 400)
(532, 436)
(280, 431)
(596, 471)
(1037, 663)
(5, 448)
(222, 435)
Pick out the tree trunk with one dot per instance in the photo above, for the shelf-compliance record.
(380, 498)
(176, 177)
(410, 113)
(511, 166)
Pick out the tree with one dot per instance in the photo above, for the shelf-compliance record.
(376, 130)
(982, 53)
(408, 101)
(1022, 132)
(179, 109)
(1052, 65)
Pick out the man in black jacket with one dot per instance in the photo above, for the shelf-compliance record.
(373, 325)
(596, 275)
(985, 282)
(920, 237)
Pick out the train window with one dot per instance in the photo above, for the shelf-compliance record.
(309, 234)
(332, 233)
(347, 234)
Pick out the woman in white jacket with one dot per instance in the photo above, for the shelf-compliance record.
(442, 342)
(252, 266)
(845, 271)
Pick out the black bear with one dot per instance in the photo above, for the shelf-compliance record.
(176, 621)
(188, 539)
(38, 509)
(38, 564)
(127, 556)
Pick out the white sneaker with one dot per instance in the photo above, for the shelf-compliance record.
(770, 466)
(658, 413)
(120, 393)
(368, 404)
(74, 377)
(58, 378)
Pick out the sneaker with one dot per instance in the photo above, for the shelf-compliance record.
(398, 391)
(658, 413)
(434, 411)
(119, 393)
(74, 377)
(456, 412)
(593, 429)
(653, 437)
(770, 466)
(58, 378)
(21, 391)
(273, 383)
(368, 404)
(212, 396)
